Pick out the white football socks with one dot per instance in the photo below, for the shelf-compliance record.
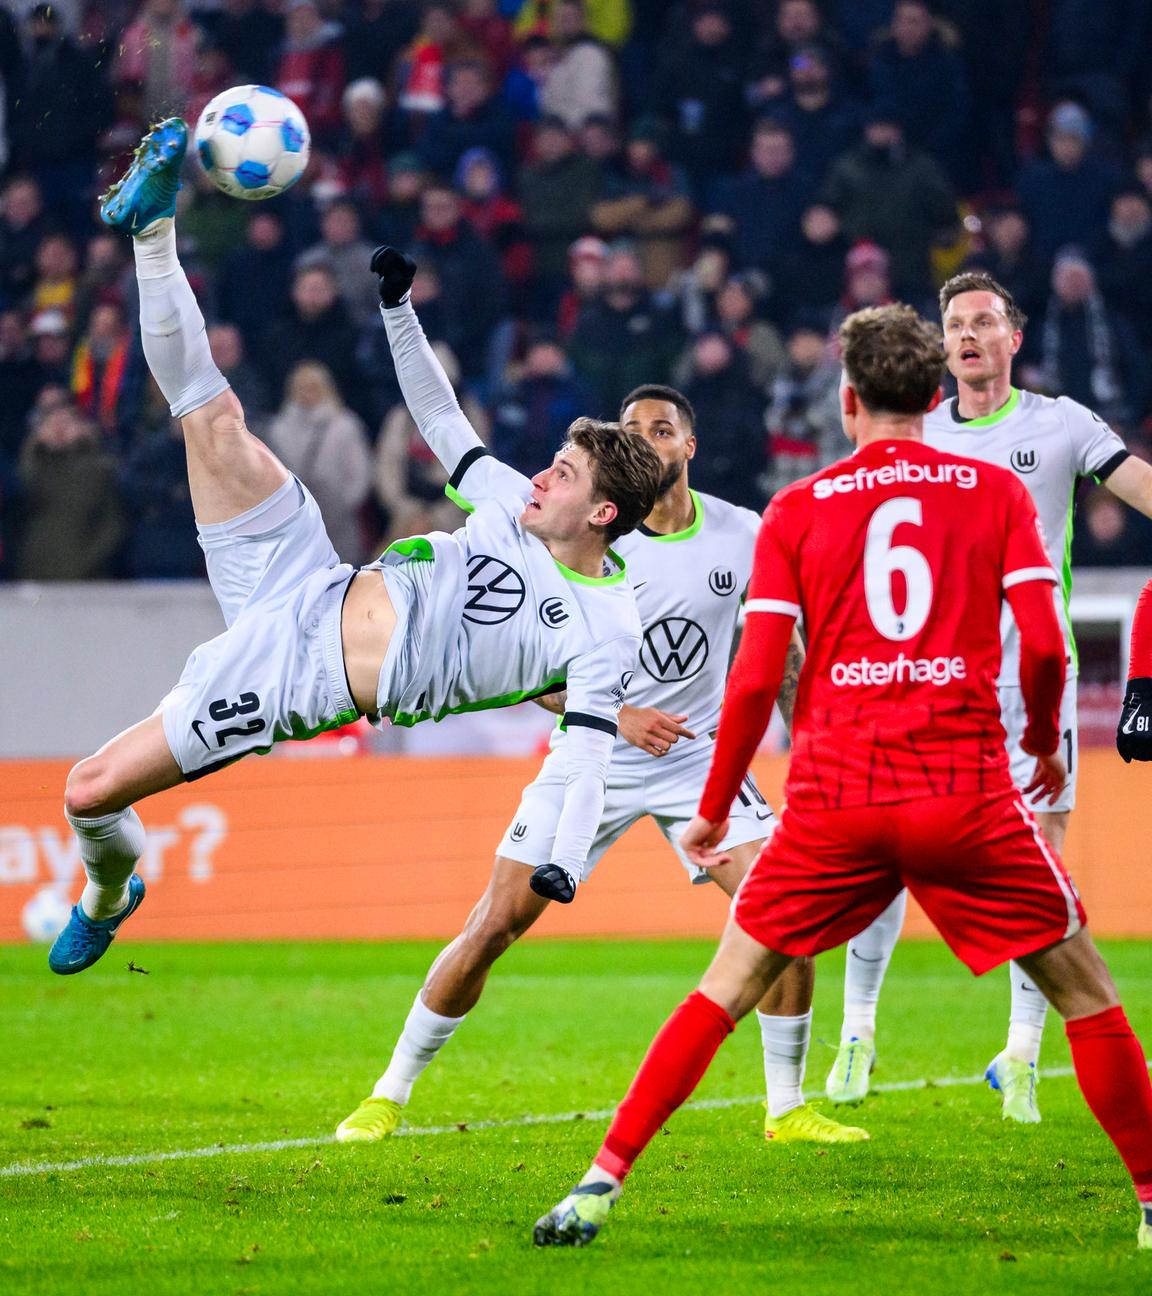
(1026, 1020)
(785, 1041)
(866, 963)
(425, 1033)
(109, 846)
(171, 325)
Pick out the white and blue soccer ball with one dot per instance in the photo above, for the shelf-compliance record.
(253, 141)
(46, 914)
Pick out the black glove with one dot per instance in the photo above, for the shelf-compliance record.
(1134, 732)
(553, 883)
(396, 272)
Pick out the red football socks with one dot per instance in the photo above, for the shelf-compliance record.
(1113, 1078)
(677, 1059)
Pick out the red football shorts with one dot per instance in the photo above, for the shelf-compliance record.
(978, 865)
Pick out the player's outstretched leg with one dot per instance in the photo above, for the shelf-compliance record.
(867, 959)
(1108, 1058)
(1013, 1071)
(741, 973)
(452, 989)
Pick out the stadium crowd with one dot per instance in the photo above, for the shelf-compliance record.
(599, 194)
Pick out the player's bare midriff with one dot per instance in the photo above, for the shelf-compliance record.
(366, 626)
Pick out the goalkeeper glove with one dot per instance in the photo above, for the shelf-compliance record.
(1134, 732)
(395, 272)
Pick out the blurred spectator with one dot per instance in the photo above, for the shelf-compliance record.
(648, 204)
(419, 69)
(311, 67)
(106, 374)
(812, 280)
(105, 276)
(1066, 196)
(766, 202)
(319, 439)
(228, 352)
(753, 338)
(1109, 535)
(867, 282)
(557, 190)
(525, 82)
(698, 87)
(1123, 260)
(822, 122)
(532, 417)
(212, 74)
(19, 381)
(157, 58)
(1093, 53)
(1079, 351)
(52, 347)
(607, 20)
(804, 414)
(161, 541)
(375, 31)
(798, 25)
(57, 264)
(1010, 258)
(347, 253)
(23, 226)
(473, 116)
(599, 139)
(925, 84)
(734, 455)
(471, 288)
(210, 222)
(623, 339)
(249, 33)
(583, 81)
(410, 480)
(58, 111)
(396, 221)
(254, 284)
(317, 327)
(491, 32)
(372, 134)
(497, 219)
(693, 293)
(895, 196)
(71, 519)
(587, 258)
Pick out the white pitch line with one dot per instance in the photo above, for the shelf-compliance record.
(561, 1118)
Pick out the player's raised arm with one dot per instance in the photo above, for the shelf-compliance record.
(1134, 731)
(423, 382)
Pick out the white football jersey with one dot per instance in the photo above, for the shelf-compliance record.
(1049, 444)
(689, 588)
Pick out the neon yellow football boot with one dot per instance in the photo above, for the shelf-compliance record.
(1017, 1081)
(372, 1121)
(851, 1073)
(804, 1124)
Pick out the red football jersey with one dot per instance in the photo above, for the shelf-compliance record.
(897, 558)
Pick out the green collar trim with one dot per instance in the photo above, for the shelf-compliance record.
(996, 415)
(580, 579)
(692, 530)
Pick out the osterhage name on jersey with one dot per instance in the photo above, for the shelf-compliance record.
(689, 588)
(897, 558)
(1049, 444)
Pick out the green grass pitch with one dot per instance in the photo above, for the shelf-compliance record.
(226, 1044)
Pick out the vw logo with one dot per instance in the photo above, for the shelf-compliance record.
(495, 591)
(674, 649)
(1024, 461)
(722, 581)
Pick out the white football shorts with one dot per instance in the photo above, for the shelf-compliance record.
(666, 790)
(277, 672)
(1015, 720)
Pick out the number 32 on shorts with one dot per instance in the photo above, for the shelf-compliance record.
(222, 709)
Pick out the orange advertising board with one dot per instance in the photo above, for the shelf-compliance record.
(387, 847)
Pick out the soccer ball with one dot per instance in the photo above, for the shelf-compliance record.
(46, 914)
(253, 142)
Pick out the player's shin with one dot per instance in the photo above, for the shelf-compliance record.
(868, 957)
(785, 1041)
(110, 845)
(1026, 1021)
(425, 1033)
(171, 325)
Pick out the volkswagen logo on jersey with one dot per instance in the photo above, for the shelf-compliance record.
(674, 649)
(495, 591)
(722, 581)
(1024, 461)
(554, 612)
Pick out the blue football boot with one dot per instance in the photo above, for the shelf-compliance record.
(147, 191)
(85, 940)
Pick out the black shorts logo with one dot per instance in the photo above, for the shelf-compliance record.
(495, 591)
(519, 831)
(674, 649)
(722, 581)
(554, 612)
(1024, 461)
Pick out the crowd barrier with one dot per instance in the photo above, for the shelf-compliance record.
(388, 847)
